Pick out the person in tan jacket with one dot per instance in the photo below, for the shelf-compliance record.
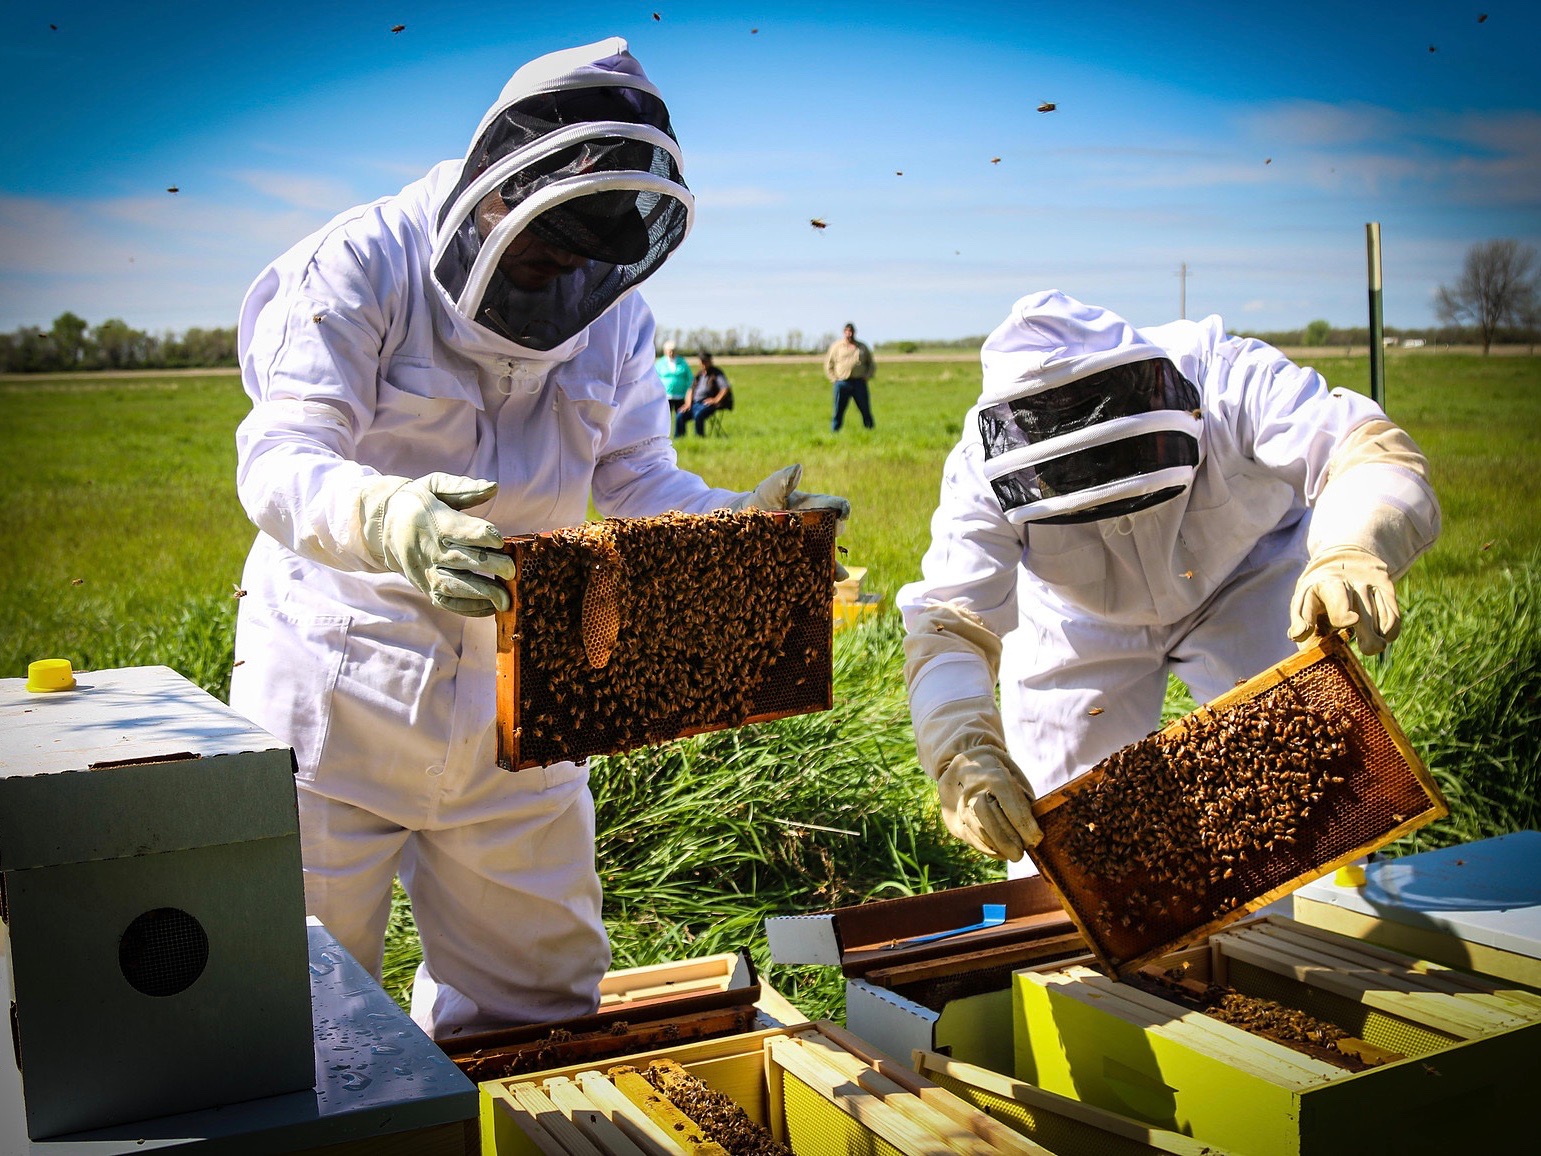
(849, 364)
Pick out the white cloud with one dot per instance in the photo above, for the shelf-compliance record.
(299, 191)
(158, 263)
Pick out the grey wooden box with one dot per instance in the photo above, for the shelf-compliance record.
(153, 902)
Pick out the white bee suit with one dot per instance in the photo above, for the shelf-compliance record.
(360, 365)
(1086, 620)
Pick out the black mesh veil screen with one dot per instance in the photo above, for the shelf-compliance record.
(625, 234)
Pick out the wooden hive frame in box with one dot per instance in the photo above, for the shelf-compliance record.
(634, 631)
(1371, 790)
(814, 1088)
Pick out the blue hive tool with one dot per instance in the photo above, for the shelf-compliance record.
(994, 914)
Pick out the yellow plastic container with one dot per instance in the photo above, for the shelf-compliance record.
(50, 674)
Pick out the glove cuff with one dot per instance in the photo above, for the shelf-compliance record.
(1377, 498)
(373, 494)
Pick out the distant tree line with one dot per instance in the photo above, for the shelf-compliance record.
(1324, 334)
(1497, 299)
(689, 342)
(72, 344)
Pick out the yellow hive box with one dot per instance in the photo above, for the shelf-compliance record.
(1061, 1124)
(1457, 1055)
(813, 1093)
(852, 604)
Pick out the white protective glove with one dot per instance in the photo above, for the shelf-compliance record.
(987, 803)
(951, 659)
(780, 492)
(416, 529)
(1375, 516)
(1342, 587)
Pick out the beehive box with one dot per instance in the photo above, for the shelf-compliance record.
(633, 631)
(380, 1085)
(1475, 906)
(951, 994)
(1452, 1057)
(1287, 777)
(640, 1009)
(852, 603)
(1064, 1126)
(151, 886)
(803, 1086)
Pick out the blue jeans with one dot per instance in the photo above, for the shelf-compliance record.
(847, 391)
(697, 413)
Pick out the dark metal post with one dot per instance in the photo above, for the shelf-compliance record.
(1377, 328)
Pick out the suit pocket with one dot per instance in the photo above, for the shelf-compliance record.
(287, 675)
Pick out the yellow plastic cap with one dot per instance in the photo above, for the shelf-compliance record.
(1350, 876)
(50, 674)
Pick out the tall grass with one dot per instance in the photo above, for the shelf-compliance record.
(1466, 687)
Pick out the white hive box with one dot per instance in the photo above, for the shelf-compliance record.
(153, 902)
(1475, 906)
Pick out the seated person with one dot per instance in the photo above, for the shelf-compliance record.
(709, 393)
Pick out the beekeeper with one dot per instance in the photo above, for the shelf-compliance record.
(1125, 504)
(428, 373)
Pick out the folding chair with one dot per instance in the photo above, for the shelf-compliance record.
(714, 420)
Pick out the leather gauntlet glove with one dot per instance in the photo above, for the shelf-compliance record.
(416, 529)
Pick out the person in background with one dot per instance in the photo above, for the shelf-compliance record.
(849, 365)
(1125, 504)
(429, 373)
(709, 392)
(674, 372)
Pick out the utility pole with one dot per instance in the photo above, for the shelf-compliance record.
(1377, 327)
(1182, 296)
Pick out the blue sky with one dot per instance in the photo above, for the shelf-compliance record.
(1251, 140)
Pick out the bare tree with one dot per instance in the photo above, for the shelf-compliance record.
(1497, 286)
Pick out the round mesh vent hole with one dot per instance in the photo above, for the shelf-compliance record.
(163, 952)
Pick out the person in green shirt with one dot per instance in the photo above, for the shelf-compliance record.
(674, 372)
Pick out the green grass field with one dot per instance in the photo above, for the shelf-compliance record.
(124, 543)
(121, 507)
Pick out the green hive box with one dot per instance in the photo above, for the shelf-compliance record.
(1472, 1050)
(153, 903)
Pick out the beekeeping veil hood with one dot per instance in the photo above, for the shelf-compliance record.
(1081, 417)
(577, 153)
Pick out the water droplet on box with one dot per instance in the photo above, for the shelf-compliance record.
(355, 1081)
